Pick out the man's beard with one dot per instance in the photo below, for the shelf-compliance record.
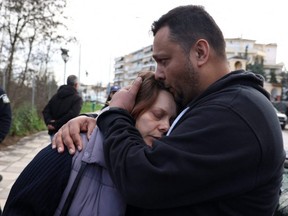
(189, 86)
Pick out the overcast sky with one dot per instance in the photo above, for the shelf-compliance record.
(112, 28)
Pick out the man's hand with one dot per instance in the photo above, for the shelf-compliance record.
(50, 127)
(125, 97)
(69, 133)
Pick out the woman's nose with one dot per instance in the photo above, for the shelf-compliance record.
(164, 126)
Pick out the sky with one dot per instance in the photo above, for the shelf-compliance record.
(112, 28)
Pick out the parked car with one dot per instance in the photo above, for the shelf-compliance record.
(282, 118)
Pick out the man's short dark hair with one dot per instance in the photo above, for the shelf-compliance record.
(188, 24)
(72, 80)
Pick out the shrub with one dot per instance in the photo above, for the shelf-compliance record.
(25, 120)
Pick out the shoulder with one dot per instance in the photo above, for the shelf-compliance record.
(77, 97)
(4, 98)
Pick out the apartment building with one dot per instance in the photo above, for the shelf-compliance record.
(240, 52)
(127, 67)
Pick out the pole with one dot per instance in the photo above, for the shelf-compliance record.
(65, 58)
(50, 84)
(4, 79)
(79, 64)
(33, 90)
(64, 71)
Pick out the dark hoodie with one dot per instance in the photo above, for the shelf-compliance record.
(223, 156)
(63, 106)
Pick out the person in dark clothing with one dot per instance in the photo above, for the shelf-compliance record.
(112, 91)
(5, 118)
(223, 155)
(5, 114)
(63, 106)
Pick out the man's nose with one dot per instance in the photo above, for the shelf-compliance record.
(159, 73)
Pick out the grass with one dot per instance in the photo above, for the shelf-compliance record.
(88, 107)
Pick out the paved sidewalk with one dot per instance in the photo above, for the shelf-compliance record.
(14, 158)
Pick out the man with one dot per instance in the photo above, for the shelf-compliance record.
(5, 114)
(63, 106)
(224, 153)
(112, 91)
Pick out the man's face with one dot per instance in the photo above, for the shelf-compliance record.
(174, 68)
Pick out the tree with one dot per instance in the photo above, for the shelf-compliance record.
(30, 34)
(273, 78)
(257, 67)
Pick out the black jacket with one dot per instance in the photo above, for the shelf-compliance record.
(224, 156)
(63, 106)
(5, 114)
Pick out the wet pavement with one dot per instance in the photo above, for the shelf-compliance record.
(14, 158)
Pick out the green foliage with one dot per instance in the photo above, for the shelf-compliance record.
(256, 68)
(273, 78)
(90, 107)
(25, 121)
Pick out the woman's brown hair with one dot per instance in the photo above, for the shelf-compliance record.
(147, 93)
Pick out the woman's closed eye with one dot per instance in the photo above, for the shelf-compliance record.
(158, 114)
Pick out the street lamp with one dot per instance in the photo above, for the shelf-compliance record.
(65, 58)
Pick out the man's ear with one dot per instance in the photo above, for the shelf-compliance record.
(202, 51)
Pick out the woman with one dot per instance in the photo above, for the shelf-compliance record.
(51, 179)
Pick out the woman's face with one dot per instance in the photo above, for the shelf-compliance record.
(155, 122)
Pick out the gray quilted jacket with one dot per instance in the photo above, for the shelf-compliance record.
(95, 194)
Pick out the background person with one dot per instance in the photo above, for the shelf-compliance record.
(63, 106)
(223, 155)
(112, 91)
(5, 118)
(5, 114)
(39, 187)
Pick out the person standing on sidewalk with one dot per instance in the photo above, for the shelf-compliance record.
(112, 91)
(5, 114)
(5, 119)
(63, 106)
